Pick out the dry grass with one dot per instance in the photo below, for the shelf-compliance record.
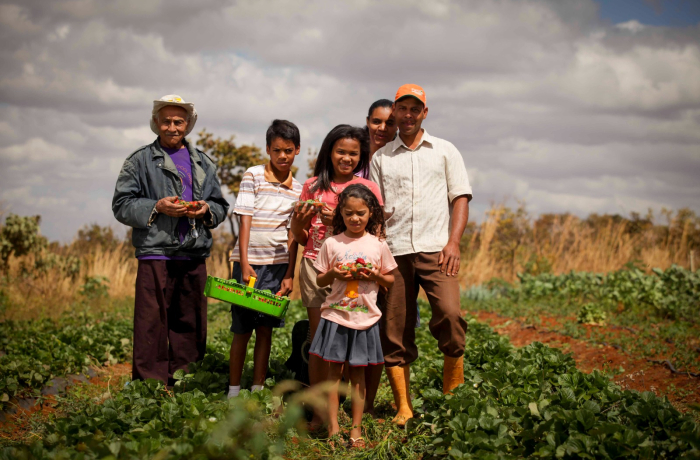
(505, 243)
(50, 293)
(508, 242)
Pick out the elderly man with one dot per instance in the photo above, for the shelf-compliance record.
(172, 241)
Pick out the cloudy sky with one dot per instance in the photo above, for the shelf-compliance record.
(578, 105)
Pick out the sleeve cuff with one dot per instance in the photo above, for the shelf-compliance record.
(152, 217)
(391, 269)
(208, 219)
(243, 211)
(467, 191)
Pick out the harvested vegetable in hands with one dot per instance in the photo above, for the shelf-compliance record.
(190, 205)
(360, 266)
(317, 204)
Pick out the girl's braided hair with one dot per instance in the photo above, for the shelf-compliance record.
(376, 225)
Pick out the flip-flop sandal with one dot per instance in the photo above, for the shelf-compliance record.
(358, 443)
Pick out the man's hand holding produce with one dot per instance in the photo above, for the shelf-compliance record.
(170, 206)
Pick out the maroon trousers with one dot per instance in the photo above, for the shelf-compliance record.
(170, 317)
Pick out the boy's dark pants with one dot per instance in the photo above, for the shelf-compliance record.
(398, 323)
(170, 317)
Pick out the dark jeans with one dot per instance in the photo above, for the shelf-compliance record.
(170, 317)
(244, 320)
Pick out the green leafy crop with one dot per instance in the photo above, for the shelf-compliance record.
(37, 351)
(530, 402)
(673, 293)
(591, 313)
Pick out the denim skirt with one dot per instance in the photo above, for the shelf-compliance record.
(337, 344)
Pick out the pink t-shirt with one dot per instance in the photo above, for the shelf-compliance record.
(317, 231)
(360, 312)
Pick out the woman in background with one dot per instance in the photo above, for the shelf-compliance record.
(381, 128)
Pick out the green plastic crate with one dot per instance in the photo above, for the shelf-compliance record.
(245, 296)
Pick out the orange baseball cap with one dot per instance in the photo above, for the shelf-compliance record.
(411, 90)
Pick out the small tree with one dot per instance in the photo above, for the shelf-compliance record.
(232, 162)
(20, 236)
(93, 236)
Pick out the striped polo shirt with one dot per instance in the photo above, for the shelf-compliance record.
(270, 203)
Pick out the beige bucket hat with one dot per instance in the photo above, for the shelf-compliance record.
(174, 99)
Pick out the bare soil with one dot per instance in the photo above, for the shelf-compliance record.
(639, 374)
(18, 426)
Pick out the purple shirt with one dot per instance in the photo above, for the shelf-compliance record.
(181, 158)
(363, 173)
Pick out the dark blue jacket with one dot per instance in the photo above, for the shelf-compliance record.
(148, 175)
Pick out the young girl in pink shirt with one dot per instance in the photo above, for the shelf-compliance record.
(348, 331)
(344, 152)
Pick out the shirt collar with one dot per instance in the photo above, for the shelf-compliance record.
(398, 142)
(270, 177)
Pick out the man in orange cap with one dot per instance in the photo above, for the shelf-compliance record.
(424, 180)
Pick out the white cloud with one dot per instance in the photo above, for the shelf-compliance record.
(15, 19)
(34, 151)
(60, 33)
(643, 78)
(547, 102)
(631, 26)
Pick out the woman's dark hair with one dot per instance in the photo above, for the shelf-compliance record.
(284, 130)
(324, 166)
(380, 103)
(375, 225)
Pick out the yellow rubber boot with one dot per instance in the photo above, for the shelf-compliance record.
(399, 380)
(452, 373)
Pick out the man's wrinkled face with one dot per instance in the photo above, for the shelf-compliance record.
(172, 124)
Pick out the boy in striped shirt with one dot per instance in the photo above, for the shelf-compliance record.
(264, 248)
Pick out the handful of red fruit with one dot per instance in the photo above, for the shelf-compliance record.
(355, 269)
(190, 205)
(317, 204)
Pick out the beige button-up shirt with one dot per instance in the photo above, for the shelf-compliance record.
(419, 185)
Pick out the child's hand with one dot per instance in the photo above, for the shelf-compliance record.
(342, 275)
(304, 207)
(369, 274)
(246, 272)
(326, 215)
(286, 286)
(303, 213)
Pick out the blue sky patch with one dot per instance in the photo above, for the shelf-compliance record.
(673, 13)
